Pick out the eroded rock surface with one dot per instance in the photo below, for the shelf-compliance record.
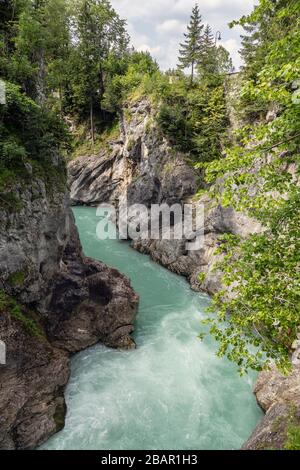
(279, 397)
(140, 165)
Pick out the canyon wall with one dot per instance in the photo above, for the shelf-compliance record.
(53, 302)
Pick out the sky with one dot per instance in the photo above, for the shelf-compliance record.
(157, 26)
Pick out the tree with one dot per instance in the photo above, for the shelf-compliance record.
(40, 43)
(213, 61)
(191, 48)
(207, 61)
(100, 33)
(263, 271)
(224, 61)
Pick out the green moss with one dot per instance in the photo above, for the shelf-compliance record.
(59, 416)
(277, 424)
(168, 168)
(16, 311)
(201, 277)
(293, 431)
(293, 438)
(17, 278)
(10, 201)
(82, 146)
(199, 194)
(54, 177)
(128, 115)
(130, 144)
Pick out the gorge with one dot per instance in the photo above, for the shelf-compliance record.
(144, 343)
(163, 395)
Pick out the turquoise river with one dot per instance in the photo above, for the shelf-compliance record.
(172, 392)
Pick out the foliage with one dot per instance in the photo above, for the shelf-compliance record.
(195, 119)
(264, 270)
(29, 134)
(293, 438)
(102, 43)
(17, 278)
(191, 48)
(140, 71)
(10, 306)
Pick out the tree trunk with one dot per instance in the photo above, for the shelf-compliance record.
(192, 76)
(92, 123)
(40, 82)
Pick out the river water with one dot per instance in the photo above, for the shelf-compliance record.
(172, 392)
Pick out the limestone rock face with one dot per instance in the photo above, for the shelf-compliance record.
(279, 397)
(32, 405)
(140, 165)
(175, 255)
(73, 301)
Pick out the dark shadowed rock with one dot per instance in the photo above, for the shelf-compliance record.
(32, 405)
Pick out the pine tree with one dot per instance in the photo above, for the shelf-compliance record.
(100, 33)
(208, 57)
(213, 61)
(191, 48)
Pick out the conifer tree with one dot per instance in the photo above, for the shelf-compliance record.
(191, 48)
(100, 32)
(208, 57)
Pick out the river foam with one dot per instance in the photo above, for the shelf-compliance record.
(172, 392)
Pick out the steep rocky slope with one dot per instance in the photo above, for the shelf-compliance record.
(140, 165)
(54, 301)
(279, 397)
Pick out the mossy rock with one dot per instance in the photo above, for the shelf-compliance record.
(8, 305)
(17, 279)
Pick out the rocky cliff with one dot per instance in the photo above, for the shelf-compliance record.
(143, 167)
(279, 397)
(140, 165)
(53, 302)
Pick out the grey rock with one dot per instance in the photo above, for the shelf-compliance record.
(140, 165)
(279, 397)
(32, 405)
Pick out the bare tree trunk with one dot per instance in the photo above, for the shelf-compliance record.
(192, 76)
(92, 123)
(40, 85)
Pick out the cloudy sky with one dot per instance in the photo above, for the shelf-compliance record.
(158, 25)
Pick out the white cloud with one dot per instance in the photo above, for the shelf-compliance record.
(233, 46)
(171, 27)
(166, 8)
(158, 25)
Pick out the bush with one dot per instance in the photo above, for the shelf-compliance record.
(27, 132)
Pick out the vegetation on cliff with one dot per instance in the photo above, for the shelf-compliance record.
(261, 177)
